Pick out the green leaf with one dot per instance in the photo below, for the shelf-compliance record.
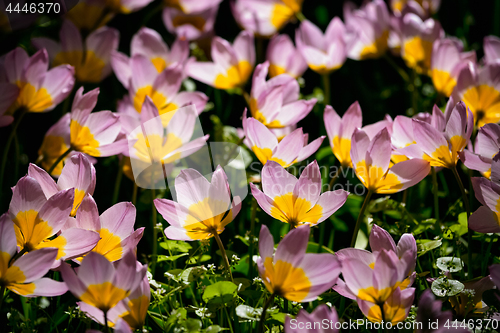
(192, 273)
(426, 245)
(178, 246)
(423, 226)
(450, 264)
(323, 152)
(197, 259)
(313, 248)
(220, 292)
(170, 258)
(248, 313)
(443, 287)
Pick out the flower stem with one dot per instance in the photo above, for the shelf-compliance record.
(383, 317)
(469, 232)
(224, 254)
(393, 64)
(435, 193)
(59, 159)
(118, 180)
(134, 194)
(360, 217)
(106, 321)
(253, 214)
(326, 88)
(2, 292)
(335, 178)
(263, 315)
(155, 234)
(7, 147)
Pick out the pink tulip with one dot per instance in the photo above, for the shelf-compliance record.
(24, 276)
(416, 41)
(292, 273)
(293, 201)
(78, 174)
(284, 58)
(191, 6)
(479, 89)
(231, 66)
(487, 192)
(424, 8)
(9, 95)
(340, 131)
(396, 307)
(275, 103)
(202, 209)
(96, 133)
(101, 283)
(371, 161)
(149, 43)
(491, 46)
(40, 89)
(291, 149)
(264, 17)
(91, 60)
(38, 221)
(446, 63)
(367, 29)
(486, 148)
(324, 53)
(193, 25)
(322, 320)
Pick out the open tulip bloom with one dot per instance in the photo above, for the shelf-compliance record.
(92, 61)
(486, 148)
(40, 89)
(39, 221)
(291, 149)
(275, 103)
(231, 66)
(293, 201)
(102, 284)
(292, 273)
(284, 58)
(24, 275)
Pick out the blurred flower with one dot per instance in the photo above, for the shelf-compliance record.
(264, 17)
(283, 57)
(367, 29)
(486, 218)
(149, 43)
(446, 62)
(291, 149)
(371, 162)
(115, 226)
(324, 53)
(89, 15)
(9, 95)
(309, 321)
(101, 284)
(417, 39)
(429, 314)
(486, 147)
(190, 6)
(232, 64)
(479, 89)
(293, 201)
(24, 275)
(94, 133)
(202, 209)
(340, 131)
(275, 103)
(132, 309)
(90, 60)
(38, 221)
(77, 174)
(292, 273)
(442, 148)
(40, 89)
(491, 46)
(126, 6)
(156, 141)
(380, 240)
(423, 7)
(193, 25)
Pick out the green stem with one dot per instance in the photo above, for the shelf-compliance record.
(414, 92)
(134, 194)
(7, 147)
(106, 321)
(393, 64)
(263, 315)
(18, 255)
(253, 214)
(155, 234)
(231, 152)
(487, 257)
(360, 217)
(118, 180)
(300, 16)
(383, 317)
(469, 231)
(334, 178)
(2, 292)
(326, 88)
(229, 320)
(435, 193)
(224, 254)
(59, 159)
